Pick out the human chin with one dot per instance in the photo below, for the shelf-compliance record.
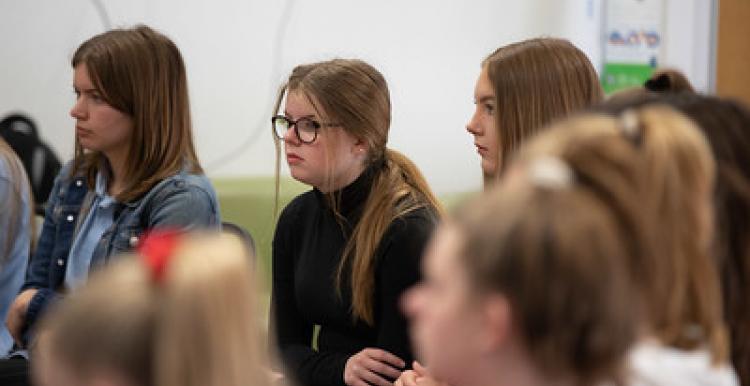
(489, 167)
(300, 174)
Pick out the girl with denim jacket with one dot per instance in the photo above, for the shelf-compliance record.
(135, 166)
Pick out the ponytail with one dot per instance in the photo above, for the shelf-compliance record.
(398, 188)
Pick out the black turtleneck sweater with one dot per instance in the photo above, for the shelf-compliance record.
(307, 249)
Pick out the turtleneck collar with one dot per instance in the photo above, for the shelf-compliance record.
(352, 197)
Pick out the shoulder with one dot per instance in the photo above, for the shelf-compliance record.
(298, 207)
(182, 184)
(418, 222)
(650, 361)
(67, 173)
(409, 233)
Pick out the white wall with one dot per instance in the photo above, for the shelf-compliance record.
(688, 40)
(238, 51)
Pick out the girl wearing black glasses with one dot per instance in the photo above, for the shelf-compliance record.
(344, 252)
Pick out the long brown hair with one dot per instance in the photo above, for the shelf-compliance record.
(557, 237)
(679, 282)
(140, 72)
(355, 95)
(196, 324)
(680, 170)
(726, 125)
(18, 190)
(535, 82)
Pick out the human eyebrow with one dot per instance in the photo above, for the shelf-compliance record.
(86, 91)
(487, 99)
(308, 116)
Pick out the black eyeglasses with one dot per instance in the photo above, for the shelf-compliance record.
(305, 128)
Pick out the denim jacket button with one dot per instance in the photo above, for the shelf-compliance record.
(70, 218)
(60, 262)
(79, 183)
(133, 241)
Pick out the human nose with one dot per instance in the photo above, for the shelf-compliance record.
(78, 111)
(290, 135)
(473, 126)
(411, 301)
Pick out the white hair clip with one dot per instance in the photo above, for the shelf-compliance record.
(630, 125)
(550, 172)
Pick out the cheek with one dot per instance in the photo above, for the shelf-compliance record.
(439, 326)
(492, 135)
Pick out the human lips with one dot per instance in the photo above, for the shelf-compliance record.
(482, 150)
(293, 159)
(82, 132)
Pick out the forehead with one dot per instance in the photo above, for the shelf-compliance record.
(483, 87)
(442, 256)
(301, 104)
(81, 76)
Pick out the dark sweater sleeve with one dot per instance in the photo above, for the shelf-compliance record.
(399, 270)
(293, 334)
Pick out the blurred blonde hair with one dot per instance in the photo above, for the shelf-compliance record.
(679, 281)
(197, 326)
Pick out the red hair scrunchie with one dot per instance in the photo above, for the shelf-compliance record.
(156, 249)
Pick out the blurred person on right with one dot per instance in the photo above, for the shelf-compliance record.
(682, 338)
(528, 283)
(726, 126)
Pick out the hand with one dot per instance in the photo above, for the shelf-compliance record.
(407, 378)
(417, 377)
(370, 365)
(17, 315)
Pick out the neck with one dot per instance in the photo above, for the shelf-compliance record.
(512, 369)
(116, 182)
(344, 179)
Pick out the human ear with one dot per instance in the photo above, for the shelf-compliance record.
(496, 322)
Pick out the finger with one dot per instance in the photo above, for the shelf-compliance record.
(374, 379)
(409, 378)
(385, 356)
(382, 368)
(14, 327)
(421, 370)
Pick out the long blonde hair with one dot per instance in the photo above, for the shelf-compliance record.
(197, 325)
(140, 72)
(19, 190)
(679, 282)
(535, 82)
(355, 95)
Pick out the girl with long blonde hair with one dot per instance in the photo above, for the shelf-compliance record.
(345, 251)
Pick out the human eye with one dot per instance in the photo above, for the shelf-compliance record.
(96, 97)
(307, 124)
(489, 108)
(281, 121)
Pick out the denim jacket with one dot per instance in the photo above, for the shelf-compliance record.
(183, 201)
